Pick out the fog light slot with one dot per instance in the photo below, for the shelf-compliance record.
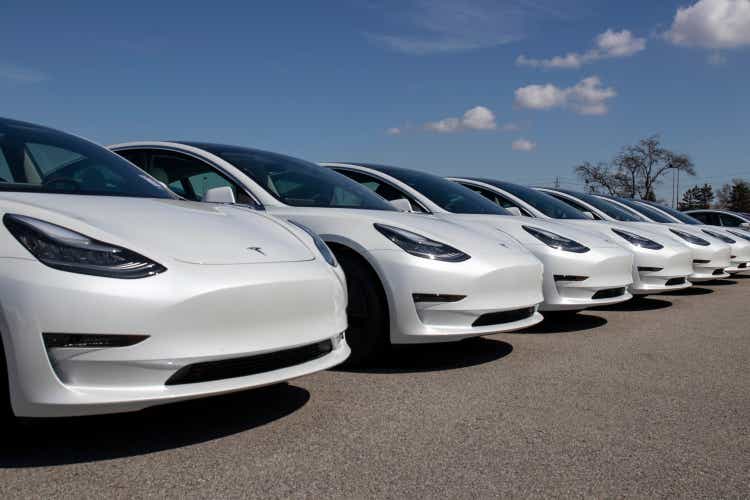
(646, 269)
(436, 297)
(89, 341)
(570, 277)
(675, 281)
(718, 272)
(700, 261)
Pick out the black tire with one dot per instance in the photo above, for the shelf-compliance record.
(368, 334)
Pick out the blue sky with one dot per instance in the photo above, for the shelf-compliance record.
(435, 85)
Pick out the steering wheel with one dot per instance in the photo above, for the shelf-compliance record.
(62, 184)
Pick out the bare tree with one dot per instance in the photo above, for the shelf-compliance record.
(636, 170)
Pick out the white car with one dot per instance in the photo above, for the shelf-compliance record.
(411, 279)
(710, 256)
(581, 269)
(740, 258)
(732, 221)
(661, 263)
(117, 296)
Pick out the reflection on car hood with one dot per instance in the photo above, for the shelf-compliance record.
(200, 233)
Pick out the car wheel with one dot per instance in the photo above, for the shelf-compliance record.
(368, 334)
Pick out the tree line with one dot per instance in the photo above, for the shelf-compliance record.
(638, 169)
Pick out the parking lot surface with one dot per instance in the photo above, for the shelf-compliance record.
(649, 398)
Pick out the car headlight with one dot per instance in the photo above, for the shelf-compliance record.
(421, 246)
(745, 236)
(718, 236)
(691, 238)
(555, 240)
(637, 240)
(67, 250)
(321, 245)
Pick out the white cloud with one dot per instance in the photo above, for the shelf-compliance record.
(713, 24)
(587, 97)
(608, 45)
(446, 125)
(18, 74)
(421, 27)
(479, 118)
(523, 145)
(476, 118)
(540, 96)
(393, 131)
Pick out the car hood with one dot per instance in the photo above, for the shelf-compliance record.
(197, 233)
(605, 228)
(513, 225)
(355, 227)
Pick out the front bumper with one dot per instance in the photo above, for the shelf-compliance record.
(710, 263)
(191, 314)
(664, 270)
(487, 291)
(605, 270)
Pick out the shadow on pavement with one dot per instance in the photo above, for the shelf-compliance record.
(565, 322)
(740, 276)
(434, 357)
(724, 282)
(687, 292)
(637, 304)
(38, 443)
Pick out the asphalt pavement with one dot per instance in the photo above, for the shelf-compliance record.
(645, 399)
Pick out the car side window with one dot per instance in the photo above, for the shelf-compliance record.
(730, 220)
(574, 204)
(382, 189)
(189, 177)
(497, 199)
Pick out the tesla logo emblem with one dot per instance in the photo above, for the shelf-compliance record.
(257, 249)
(503, 245)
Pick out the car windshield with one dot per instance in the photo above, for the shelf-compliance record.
(680, 216)
(646, 211)
(607, 207)
(297, 182)
(448, 195)
(41, 160)
(548, 205)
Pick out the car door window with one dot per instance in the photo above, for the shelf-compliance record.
(574, 204)
(189, 177)
(497, 199)
(730, 220)
(382, 188)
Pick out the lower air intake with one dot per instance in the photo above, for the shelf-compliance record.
(609, 293)
(676, 281)
(718, 272)
(499, 318)
(249, 365)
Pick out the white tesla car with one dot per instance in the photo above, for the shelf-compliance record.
(117, 296)
(710, 256)
(740, 258)
(661, 263)
(581, 269)
(735, 222)
(411, 279)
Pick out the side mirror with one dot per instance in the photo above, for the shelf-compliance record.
(514, 210)
(402, 204)
(589, 214)
(745, 225)
(223, 194)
